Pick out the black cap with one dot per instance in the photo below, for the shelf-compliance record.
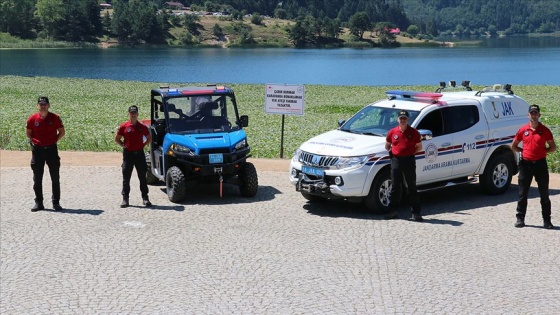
(43, 99)
(403, 113)
(133, 108)
(534, 108)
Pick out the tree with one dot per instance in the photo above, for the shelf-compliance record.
(280, 14)
(413, 30)
(299, 34)
(190, 21)
(106, 22)
(256, 19)
(136, 21)
(17, 18)
(51, 14)
(359, 23)
(218, 31)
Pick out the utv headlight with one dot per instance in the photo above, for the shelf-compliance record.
(241, 144)
(180, 148)
(352, 162)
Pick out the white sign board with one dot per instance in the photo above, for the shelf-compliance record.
(284, 99)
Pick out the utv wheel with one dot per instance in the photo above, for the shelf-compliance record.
(497, 175)
(312, 198)
(377, 200)
(176, 184)
(150, 178)
(248, 180)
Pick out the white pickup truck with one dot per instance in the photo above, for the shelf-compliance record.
(466, 136)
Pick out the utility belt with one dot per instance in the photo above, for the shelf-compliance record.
(533, 162)
(46, 147)
(126, 152)
(403, 157)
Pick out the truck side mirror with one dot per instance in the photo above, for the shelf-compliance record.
(244, 120)
(341, 122)
(425, 134)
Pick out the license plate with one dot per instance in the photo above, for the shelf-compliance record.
(216, 158)
(312, 171)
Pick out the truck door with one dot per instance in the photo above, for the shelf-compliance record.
(470, 132)
(436, 162)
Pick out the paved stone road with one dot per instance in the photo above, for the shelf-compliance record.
(275, 254)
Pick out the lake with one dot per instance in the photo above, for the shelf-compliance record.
(525, 64)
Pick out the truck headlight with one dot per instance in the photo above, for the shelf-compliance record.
(180, 148)
(241, 144)
(295, 158)
(352, 162)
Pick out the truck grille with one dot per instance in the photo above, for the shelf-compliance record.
(318, 160)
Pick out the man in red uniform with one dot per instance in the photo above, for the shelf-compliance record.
(136, 135)
(44, 129)
(537, 143)
(402, 143)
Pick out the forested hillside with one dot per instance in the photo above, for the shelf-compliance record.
(300, 23)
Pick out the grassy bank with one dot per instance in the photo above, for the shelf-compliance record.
(92, 109)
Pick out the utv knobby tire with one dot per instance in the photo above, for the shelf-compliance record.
(150, 178)
(248, 180)
(176, 184)
(497, 175)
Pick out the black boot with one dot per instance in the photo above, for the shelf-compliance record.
(38, 206)
(519, 223)
(124, 202)
(56, 205)
(548, 224)
(391, 215)
(146, 202)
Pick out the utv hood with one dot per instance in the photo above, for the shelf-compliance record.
(197, 142)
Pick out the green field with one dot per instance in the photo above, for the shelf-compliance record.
(92, 109)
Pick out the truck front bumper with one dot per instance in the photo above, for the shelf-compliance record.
(352, 182)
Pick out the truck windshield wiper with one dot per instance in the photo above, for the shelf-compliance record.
(372, 134)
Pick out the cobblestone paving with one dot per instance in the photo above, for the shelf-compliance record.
(276, 254)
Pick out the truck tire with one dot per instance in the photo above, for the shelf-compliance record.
(150, 178)
(176, 184)
(248, 180)
(497, 175)
(377, 200)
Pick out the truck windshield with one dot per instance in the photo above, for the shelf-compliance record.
(375, 121)
(196, 114)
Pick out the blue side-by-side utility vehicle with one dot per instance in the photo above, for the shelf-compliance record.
(197, 136)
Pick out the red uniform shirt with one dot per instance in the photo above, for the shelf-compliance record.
(133, 135)
(403, 143)
(534, 141)
(44, 130)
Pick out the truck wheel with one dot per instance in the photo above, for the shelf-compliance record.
(377, 200)
(248, 180)
(176, 184)
(497, 175)
(150, 178)
(312, 198)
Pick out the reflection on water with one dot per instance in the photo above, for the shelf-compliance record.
(519, 61)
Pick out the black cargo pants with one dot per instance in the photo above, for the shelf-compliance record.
(131, 160)
(528, 170)
(404, 167)
(39, 157)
